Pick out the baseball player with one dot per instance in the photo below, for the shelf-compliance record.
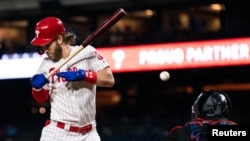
(72, 89)
(211, 107)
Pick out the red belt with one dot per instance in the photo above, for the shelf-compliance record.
(82, 130)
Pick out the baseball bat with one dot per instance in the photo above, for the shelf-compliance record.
(101, 29)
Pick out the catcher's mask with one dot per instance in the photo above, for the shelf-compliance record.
(212, 103)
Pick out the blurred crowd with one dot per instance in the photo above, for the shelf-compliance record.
(118, 37)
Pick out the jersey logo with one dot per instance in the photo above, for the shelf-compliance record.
(195, 128)
(98, 54)
(54, 78)
(37, 33)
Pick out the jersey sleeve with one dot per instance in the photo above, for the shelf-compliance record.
(43, 67)
(42, 70)
(97, 61)
(40, 96)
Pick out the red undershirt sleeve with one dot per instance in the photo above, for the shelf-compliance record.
(40, 96)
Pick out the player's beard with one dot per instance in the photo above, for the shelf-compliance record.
(57, 55)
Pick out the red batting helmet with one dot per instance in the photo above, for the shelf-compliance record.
(47, 30)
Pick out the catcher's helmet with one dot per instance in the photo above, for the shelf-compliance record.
(212, 103)
(47, 30)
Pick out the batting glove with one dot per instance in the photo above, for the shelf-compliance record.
(38, 81)
(73, 75)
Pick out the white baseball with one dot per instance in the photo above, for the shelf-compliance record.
(164, 75)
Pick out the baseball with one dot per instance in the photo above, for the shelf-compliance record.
(164, 75)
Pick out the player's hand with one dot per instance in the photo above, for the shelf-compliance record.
(38, 81)
(73, 75)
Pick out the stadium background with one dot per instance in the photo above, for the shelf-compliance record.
(148, 107)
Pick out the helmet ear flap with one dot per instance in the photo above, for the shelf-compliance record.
(40, 51)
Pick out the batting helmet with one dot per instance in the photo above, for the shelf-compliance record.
(47, 30)
(212, 103)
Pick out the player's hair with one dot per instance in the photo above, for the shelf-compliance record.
(212, 103)
(69, 37)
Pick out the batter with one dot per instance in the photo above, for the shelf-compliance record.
(71, 91)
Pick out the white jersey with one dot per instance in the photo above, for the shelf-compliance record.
(73, 102)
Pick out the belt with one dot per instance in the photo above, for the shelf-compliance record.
(82, 130)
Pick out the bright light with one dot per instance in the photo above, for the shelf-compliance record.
(19, 65)
(149, 12)
(217, 7)
(116, 98)
(42, 110)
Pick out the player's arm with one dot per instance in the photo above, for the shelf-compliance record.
(175, 129)
(102, 78)
(40, 95)
(38, 92)
(105, 78)
(174, 133)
